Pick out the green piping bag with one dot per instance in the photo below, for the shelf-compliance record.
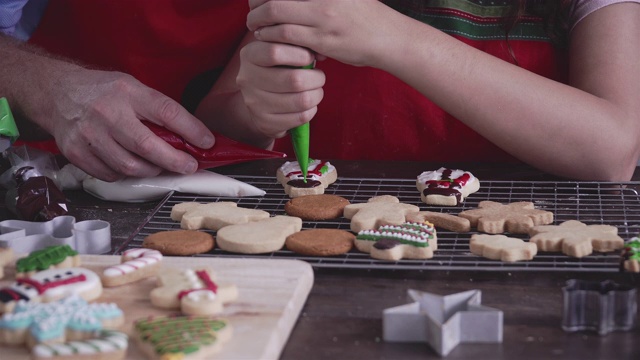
(300, 140)
(8, 129)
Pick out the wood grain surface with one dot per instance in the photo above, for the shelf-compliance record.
(271, 296)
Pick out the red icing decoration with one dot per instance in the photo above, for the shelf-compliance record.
(314, 171)
(52, 284)
(208, 284)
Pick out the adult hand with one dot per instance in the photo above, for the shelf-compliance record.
(278, 93)
(353, 32)
(96, 124)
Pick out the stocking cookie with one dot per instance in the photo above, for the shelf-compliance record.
(395, 242)
(192, 291)
(135, 264)
(258, 237)
(517, 218)
(51, 285)
(320, 175)
(181, 337)
(575, 238)
(34, 323)
(213, 216)
(500, 247)
(630, 258)
(377, 211)
(446, 186)
(52, 257)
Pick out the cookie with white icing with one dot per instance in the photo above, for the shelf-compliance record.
(192, 291)
(51, 257)
(135, 264)
(320, 174)
(395, 242)
(446, 187)
(51, 285)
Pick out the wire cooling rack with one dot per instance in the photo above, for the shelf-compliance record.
(616, 204)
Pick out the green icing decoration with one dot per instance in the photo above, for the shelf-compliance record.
(400, 233)
(44, 258)
(300, 140)
(8, 128)
(179, 334)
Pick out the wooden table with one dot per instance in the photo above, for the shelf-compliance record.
(342, 316)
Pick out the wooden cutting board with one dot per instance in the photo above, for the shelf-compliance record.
(272, 293)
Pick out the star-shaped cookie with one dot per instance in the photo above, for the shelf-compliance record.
(575, 238)
(517, 218)
(378, 211)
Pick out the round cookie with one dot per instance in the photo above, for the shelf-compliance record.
(316, 207)
(180, 242)
(320, 242)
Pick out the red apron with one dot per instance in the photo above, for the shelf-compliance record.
(166, 43)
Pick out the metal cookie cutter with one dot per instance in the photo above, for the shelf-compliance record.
(86, 237)
(443, 321)
(599, 306)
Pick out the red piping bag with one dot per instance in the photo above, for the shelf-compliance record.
(224, 152)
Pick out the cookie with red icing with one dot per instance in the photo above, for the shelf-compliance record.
(446, 187)
(320, 174)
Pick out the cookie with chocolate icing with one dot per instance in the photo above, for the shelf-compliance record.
(446, 187)
(316, 207)
(320, 242)
(320, 174)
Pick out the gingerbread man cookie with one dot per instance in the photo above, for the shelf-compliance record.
(575, 238)
(446, 187)
(213, 216)
(517, 218)
(395, 242)
(500, 247)
(51, 285)
(193, 291)
(377, 211)
(320, 174)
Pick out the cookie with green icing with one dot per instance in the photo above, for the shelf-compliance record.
(181, 337)
(410, 240)
(52, 257)
(630, 258)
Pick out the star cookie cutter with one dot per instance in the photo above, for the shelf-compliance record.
(85, 237)
(599, 306)
(443, 321)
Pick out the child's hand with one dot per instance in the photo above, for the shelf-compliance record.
(280, 94)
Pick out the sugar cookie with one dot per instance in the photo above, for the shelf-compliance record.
(517, 218)
(395, 242)
(441, 220)
(107, 344)
(258, 237)
(192, 291)
(52, 257)
(320, 175)
(135, 264)
(575, 238)
(213, 216)
(501, 247)
(377, 211)
(446, 187)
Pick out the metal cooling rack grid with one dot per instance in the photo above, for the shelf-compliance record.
(615, 204)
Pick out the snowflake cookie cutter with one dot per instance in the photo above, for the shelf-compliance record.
(443, 321)
(85, 237)
(598, 306)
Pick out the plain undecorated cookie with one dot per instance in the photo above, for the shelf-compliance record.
(441, 220)
(320, 242)
(258, 237)
(316, 207)
(180, 242)
(501, 247)
(378, 211)
(575, 238)
(517, 217)
(213, 216)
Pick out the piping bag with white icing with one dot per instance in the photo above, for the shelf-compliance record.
(202, 182)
